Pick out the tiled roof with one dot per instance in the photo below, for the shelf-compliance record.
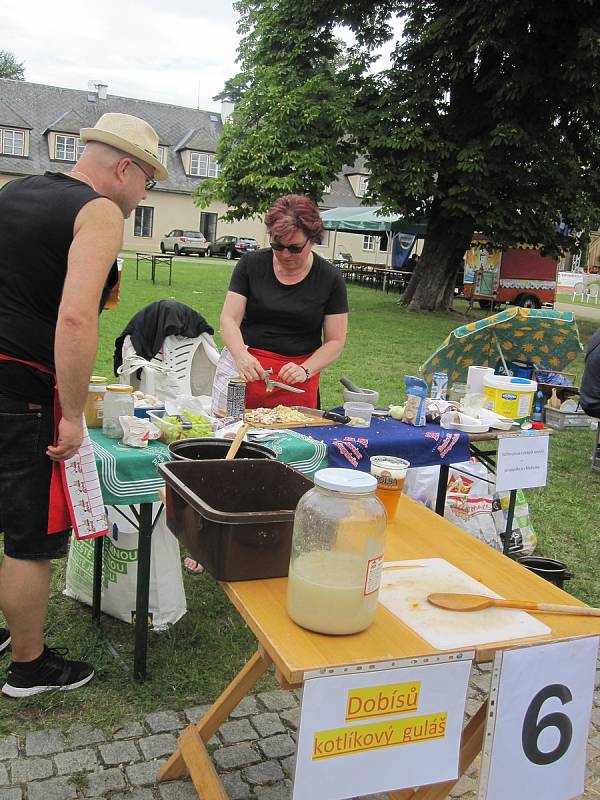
(9, 118)
(52, 108)
(67, 110)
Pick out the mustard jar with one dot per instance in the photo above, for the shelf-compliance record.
(337, 553)
(94, 405)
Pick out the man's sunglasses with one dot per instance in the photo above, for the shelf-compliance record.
(150, 182)
(293, 248)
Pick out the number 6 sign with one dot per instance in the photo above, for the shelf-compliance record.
(538, 721)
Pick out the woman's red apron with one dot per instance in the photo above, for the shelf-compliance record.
(256, 391)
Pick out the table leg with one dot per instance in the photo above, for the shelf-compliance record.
(509, 520)
(209, 724)
(440, 500)
(137, 266)
(142, 591)
(153, 269)
(470, 746)
(97, 584)
(170, 269)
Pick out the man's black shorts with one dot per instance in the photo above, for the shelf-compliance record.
(25, 471)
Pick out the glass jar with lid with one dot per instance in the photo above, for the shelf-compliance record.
(118, 402)
(337, 553)
(94, 404)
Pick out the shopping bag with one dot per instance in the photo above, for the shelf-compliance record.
(119, 570)
(523, 538)
(469, 501)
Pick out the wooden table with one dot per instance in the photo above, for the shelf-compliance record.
(153, 259)
(416, 533)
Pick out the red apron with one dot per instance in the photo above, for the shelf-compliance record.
(59, 516)
(256, 392)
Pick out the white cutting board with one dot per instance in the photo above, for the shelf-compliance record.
(404, 593)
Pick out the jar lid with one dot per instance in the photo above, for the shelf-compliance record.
(345, 480)
(119, 387)
(97, 379)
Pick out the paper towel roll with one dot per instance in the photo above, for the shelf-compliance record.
(475, 379)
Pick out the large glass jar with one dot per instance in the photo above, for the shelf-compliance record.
(118, 402)
(94, 406)
(337, 553)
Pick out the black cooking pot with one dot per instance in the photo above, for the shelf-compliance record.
(554, 571)
(203, 449)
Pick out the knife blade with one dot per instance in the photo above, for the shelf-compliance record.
(270, 383)
(317, 412)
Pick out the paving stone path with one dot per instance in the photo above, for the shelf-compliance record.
(253, 752)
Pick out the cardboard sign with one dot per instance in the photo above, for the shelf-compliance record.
(522, 461)
(535, 740)
(373, 730)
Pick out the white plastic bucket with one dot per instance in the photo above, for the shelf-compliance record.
(509, 397)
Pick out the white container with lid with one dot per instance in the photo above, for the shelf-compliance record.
(337, 553)
(118, 402)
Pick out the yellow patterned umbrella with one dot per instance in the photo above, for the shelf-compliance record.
(542, 336)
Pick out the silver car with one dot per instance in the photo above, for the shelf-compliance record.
(184, 242)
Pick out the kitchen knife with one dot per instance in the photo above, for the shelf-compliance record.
(316, 412)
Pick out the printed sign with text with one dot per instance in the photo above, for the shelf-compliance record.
(379, 730)
(522, 461)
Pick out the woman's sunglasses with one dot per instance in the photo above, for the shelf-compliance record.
(293, 248)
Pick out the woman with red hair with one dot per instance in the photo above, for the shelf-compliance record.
(286, 309)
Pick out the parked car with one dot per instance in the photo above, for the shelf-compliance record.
(231, 246)
(184, 242)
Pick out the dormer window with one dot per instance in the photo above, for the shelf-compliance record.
(204, 165)
(12, 142)
(162, 154)
(67, 148)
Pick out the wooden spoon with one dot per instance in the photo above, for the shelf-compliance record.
(477, 602)
(235, 444)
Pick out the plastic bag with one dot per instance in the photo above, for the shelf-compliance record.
(469, 502)
(414, 408)
(167, 602)
(523, 538)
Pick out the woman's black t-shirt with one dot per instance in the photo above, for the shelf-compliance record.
(281, 318)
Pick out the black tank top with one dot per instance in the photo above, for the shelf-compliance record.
(37, 215)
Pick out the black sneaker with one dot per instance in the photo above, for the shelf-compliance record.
(4, 639)
(50, 671)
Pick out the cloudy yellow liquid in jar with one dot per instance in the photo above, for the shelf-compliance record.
(326, 592)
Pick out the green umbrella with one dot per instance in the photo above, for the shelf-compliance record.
(542, 336)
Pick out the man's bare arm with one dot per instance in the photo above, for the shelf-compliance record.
(98, 236)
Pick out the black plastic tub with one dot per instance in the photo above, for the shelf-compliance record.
(234, 517)
(202, 449)
(554, 571)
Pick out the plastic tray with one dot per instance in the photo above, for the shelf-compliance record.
(168, 431)
(234, 517)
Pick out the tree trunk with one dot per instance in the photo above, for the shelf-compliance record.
(431, 287)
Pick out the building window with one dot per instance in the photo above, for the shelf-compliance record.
(162, 154)
(204, 164)
(68, 148)
(12, 142)
(368, 242)
(363, 185)
(144, 219)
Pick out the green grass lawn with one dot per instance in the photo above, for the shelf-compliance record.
(194, 660)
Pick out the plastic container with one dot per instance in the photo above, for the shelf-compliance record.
(360, 411)
(94, 405)
(171, 431)
(118, 402)
(363, 396)
(509, 397)
(337, 553)
(457, 391)
(234, 517)
(142, 411)
(554, 571)
(203, 449)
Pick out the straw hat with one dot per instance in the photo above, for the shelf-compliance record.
(131, 135)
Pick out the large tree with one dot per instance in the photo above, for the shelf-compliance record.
(485, 121)
(10, 67)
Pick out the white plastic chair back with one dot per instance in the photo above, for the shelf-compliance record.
(579, 288)
(182, 366)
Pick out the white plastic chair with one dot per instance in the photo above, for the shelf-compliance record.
(593, 291)
(579, 288)
(182, 366)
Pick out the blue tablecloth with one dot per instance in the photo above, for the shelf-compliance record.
(423, 447)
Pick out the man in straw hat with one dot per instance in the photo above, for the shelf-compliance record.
(60, 234)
